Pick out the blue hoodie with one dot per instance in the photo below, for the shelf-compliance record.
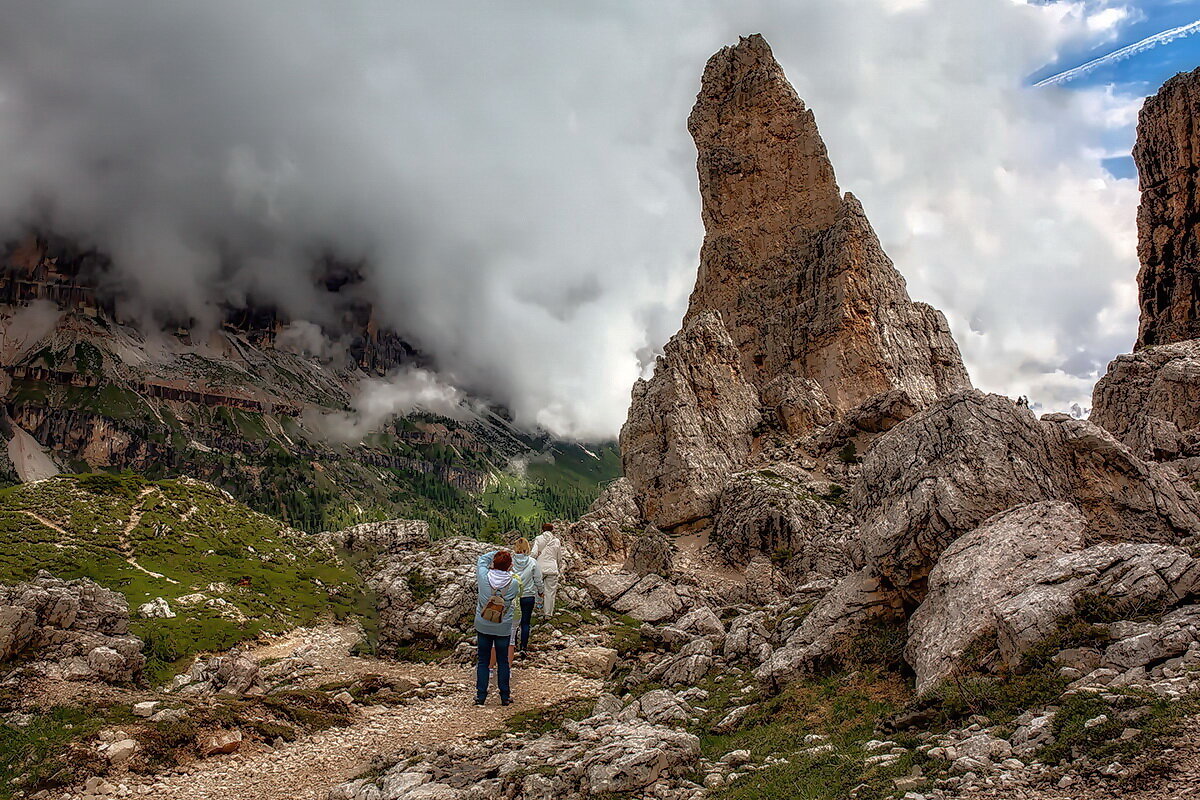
(530, 573)
(510, 591)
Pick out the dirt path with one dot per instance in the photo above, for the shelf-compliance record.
(308, 768)
(135, 518)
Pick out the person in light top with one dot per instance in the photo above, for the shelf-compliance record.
(499, 588)
(530, 573)
(547, 549)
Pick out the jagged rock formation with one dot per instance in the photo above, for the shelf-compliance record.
(941, 473)
(75, 630)
(976, 573)
(1168, 158)
(1150, 399)
(393, 534)
(796, 308)
(795, 269)
(689, 426)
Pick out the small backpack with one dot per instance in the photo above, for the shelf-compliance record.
(494, 610)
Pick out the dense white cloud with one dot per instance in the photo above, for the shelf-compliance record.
(520, 178)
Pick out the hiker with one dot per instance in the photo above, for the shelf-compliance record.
(499, 588)
(547, 549)
(530, 573)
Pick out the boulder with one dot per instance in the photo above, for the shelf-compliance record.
(827, 631)
(77, 628)
(213, 744)
(779, 512)
(652, 599)
(976, 573)
(607, 587)
(748, 638)
(1135, 576)
(158, 608)
(686, 668)
(945, 470)
(1150, 400)
(16, 630)
(650, 552)
(632, 757)
(658, 707)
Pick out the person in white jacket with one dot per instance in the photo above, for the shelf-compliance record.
(547, 549)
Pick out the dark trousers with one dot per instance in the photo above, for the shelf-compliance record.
(486, 642)
(527, 604)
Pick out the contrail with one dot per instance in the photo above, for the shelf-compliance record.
(1148, 43)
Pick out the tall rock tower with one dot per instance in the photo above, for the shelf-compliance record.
(796, 308)
(1168, 160)
(1150, 399)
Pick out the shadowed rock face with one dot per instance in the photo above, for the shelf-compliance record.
(1168, 157)
(795, 269)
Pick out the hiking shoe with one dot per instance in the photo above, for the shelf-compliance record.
(507, 702)
(479, 701)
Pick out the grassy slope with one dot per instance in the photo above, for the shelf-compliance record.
(197, 538)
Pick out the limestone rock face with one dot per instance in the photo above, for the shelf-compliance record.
(689, 426)
(976, 573)
(1167, 154)
(942, 472)
(1150, 400)
(795, 269)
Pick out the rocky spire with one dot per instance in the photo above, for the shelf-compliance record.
(795, 269)
(1168, 158)
(796, 307)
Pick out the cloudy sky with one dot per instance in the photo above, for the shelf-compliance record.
(520, 178)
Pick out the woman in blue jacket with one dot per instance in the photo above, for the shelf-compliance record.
(498, 587)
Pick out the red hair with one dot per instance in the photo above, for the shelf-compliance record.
(502, 560)
(546, 526)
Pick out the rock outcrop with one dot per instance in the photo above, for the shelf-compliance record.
(392, 534)
(1167, 154)
(1150, 400)
(690, 426)
(76, 630)
(792, 266)
(796, 308)
(941, 473)
(781, 512)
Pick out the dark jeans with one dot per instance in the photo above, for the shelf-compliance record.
(485, 642)
(527, 604)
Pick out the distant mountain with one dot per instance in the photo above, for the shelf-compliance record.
(247, 405)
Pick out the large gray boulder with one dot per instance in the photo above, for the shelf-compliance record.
(823, 636)
(976, 573)
(780, 512)
(944, 471)
(650, 552)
